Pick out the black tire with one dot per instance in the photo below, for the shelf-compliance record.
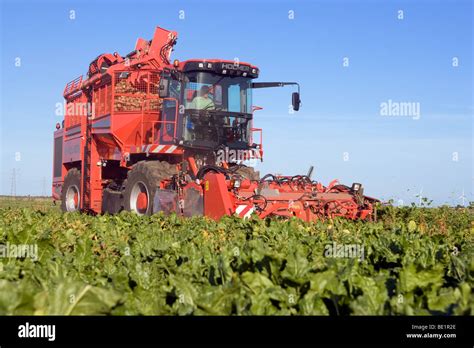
(71, 191)
(145, 177)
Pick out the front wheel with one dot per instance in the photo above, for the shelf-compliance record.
(142, 182)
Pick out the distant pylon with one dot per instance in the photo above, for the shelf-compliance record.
(463, 198)
(13, 187)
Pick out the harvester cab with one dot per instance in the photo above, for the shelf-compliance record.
(214, 103)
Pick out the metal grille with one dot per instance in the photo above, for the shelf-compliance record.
(128, 97)
(141, 85)
(154, 84)
(108, 97)
(95, 101)
(131, 92)
(102, 100)
(75, 109)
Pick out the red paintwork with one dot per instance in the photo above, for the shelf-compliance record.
(114, 131)
(217, 201)
(306, 201)
(123, 132)
(76, 199)
(142, 201)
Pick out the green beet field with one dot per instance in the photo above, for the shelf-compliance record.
(412, 261)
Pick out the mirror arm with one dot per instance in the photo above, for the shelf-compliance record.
(274, 84)
(278, 84)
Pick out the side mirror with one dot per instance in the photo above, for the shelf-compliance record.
(295, 101)
(164, 86)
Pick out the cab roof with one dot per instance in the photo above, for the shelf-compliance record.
(220, 66)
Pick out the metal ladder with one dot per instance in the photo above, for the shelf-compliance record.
(86, 174)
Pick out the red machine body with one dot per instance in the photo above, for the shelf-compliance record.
(143, 134)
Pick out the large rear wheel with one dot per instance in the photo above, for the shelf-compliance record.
(71, 192)
(142, 182)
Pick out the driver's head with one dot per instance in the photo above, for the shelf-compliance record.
(204, 92)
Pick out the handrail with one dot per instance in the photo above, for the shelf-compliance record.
(261, 136)
(260, 145)
(160, 121)
(71, 85)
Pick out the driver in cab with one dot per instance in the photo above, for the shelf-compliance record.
(203, 101)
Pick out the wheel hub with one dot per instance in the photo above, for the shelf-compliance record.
(142, 201)
(72, 198)
(139, 198)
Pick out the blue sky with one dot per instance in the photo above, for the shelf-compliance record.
(339, 129)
